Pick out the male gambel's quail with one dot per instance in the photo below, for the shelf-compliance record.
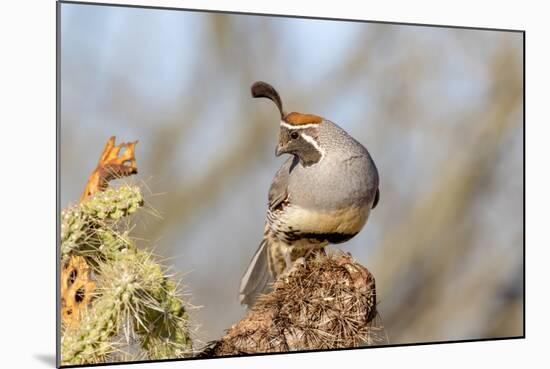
(322, 194)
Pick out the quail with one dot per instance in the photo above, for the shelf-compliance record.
(322, 194)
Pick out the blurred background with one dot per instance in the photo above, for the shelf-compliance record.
(439, 109)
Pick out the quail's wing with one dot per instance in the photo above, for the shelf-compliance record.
(376, 198)
(278, 190)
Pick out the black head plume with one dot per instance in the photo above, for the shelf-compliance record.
(263, 89)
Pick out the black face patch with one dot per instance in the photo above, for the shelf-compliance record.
(295, 142)
(320, 237)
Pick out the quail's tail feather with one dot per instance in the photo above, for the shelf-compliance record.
(257, 277)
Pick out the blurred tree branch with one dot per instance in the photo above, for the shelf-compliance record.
(431, 258)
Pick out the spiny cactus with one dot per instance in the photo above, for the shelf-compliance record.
(134, 300)
(114, 203)
(326, 302)
(85, 228)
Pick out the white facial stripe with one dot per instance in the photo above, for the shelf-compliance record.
(312, 141)
(302, 126)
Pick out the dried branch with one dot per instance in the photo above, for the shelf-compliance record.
(112, 165)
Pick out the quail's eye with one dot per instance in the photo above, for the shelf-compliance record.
(294, 135)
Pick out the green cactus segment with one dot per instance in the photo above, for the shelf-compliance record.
(163, 330)
(76, 231)
(113, 203)
(91, 341)
(134, 297)
(83, 226)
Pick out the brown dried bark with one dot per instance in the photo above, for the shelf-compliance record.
(111, 165)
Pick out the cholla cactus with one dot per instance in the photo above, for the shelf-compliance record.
(133, 302)
(87, 227)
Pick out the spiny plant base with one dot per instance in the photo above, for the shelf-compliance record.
(133, 300)
(326, 302)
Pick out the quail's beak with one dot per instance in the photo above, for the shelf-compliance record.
(279, 150)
